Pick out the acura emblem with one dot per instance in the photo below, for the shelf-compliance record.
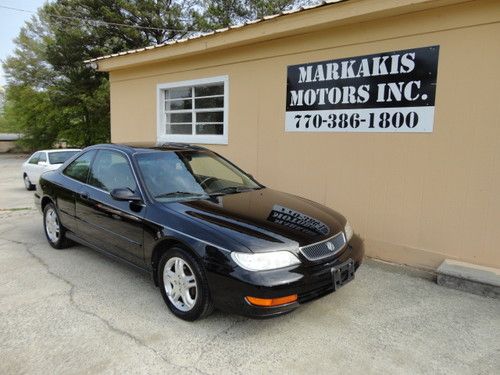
(330, 246)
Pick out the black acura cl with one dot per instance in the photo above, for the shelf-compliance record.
(209, 234)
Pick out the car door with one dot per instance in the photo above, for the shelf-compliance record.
(31, 165)
(39, 167)
(76, 175)
(115, 226)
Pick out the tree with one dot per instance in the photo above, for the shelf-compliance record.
(47, 66)
(27, 104)
(216, 14)
(53, 95)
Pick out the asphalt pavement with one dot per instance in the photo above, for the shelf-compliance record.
(74, 311)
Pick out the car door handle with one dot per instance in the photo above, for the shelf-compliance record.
(84, 195)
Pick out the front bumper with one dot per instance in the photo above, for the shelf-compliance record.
(309, 281)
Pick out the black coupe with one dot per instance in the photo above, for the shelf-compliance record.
(209, 234)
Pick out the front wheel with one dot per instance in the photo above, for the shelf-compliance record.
(183, 285)
(54, 231)
(27, 183)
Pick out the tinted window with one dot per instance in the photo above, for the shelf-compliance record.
(43, 157)
(111, 170)
(34, 158)
(60, 157)
(79, 168)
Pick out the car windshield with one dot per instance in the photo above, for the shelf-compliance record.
(60, 156)
(170, 176)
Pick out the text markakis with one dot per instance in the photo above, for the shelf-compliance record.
(387, 78)
(385, 65)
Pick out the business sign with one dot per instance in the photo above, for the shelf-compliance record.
(385, 92)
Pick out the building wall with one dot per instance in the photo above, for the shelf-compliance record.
(6, 146)
(413, 198)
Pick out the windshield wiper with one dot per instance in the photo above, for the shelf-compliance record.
(231, 189)
(179, 194)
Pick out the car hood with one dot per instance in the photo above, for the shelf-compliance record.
(265, 219)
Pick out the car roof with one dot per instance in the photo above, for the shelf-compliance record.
(133, 150)
(60, 150)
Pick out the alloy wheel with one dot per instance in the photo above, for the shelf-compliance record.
(180, 284)
(52, 226)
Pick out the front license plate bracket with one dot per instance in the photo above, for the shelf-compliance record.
(342, 274)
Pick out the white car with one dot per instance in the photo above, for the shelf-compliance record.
(42, 161)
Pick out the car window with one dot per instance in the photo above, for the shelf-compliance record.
(176, 175)
(206, 165)
(111, 170)
(79, 168)
(43, 157)
(34, 158)
(60, 156)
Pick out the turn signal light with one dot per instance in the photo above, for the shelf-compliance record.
(269, 302)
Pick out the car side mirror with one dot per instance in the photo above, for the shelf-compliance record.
(125, 195)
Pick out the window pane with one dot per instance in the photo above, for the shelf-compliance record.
(111, 170)
(179, 129)
(43, 157)
(210, 89)
(79, 168)
(60, 157)
(210, 116)
(206, 165)
(34, 158)
(179, 117)
(209, 129)
(178, 104)
(178, 92)
(217, 102)
(166, 172)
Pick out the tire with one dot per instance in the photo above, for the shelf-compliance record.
(199, 303)
(54, 231)
(27, 183)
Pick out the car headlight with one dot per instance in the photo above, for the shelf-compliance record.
(264, 261)
(348, 231)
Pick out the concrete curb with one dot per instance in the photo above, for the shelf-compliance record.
(484, 281)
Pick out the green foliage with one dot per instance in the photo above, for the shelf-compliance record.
(33, 109)
(7, 127)
(52, 95)
(218, 14)
(261, 8)
(221, 13)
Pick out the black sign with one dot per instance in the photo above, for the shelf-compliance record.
(392, 91)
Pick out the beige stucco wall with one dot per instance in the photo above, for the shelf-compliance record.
(6, 146)
(413, 198)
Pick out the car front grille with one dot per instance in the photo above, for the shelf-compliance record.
(324, 249)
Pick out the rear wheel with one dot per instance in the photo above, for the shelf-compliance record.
(27, 183)
(54, 231)
(183, 285)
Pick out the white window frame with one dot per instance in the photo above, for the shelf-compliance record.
(162, 136)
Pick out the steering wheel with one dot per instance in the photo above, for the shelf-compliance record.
(205, 182)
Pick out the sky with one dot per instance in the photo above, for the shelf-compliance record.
(10, 24)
